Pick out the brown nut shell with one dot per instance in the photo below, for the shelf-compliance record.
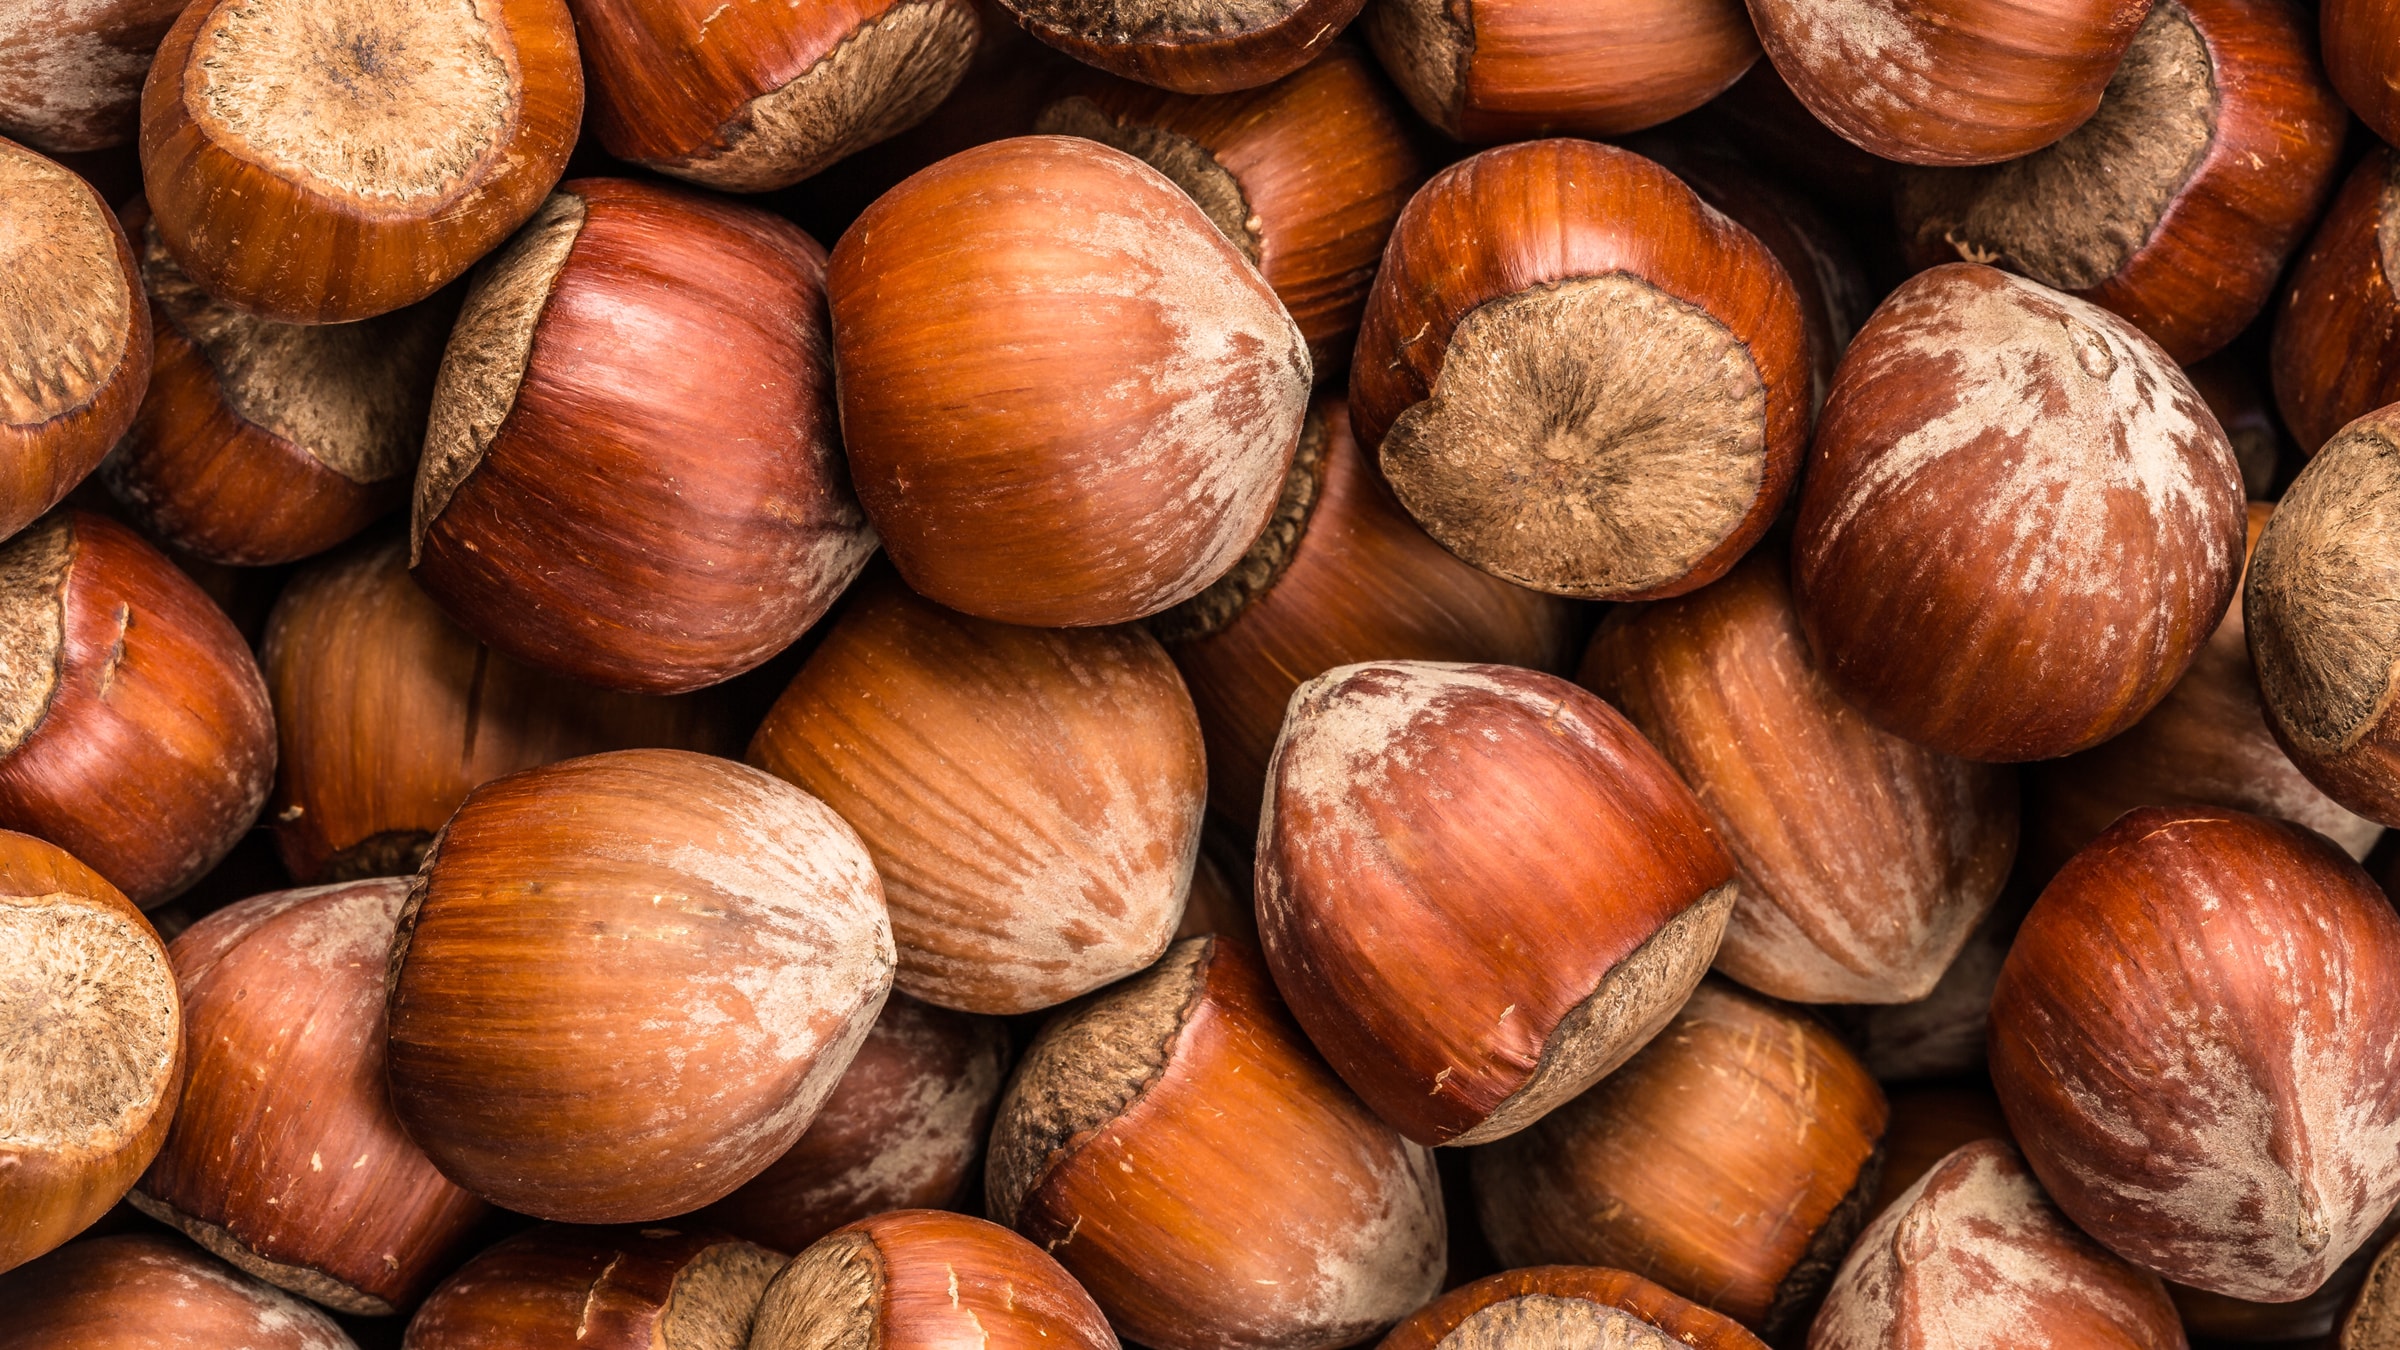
(919, 1279)
(1578, 376)
(91, 1050)
(1558, 1307)
(2361, 41)
(2178, 202)
(283, 1000)
(1506, 70)
(1731, 1161)
(633, 473)
(388, 714)
(1865, 860)
(1177, 1145)
(2023, 486)
(151, 1292)
(748, 98)
(1340, 575)
(384, 145)
(624, 983)
(134, 726)
(1959, 83)
(562, 1288)
(2336, 352)
(903, 1129)
(1479, 889)
(1974, 1255)
(1068, 400)
(71, 78)
(2190, 1042)
(1191, 48)
(1032, 797)
(75, 354)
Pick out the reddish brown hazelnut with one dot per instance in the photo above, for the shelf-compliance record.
(1188, 47)
(134, 728)
(923, 1280)
(1930, 1121)
(2191, 1039)
(388, 714)
(284, 1158)
(1341, 574)
(2236, 391)
(1479, 889)
(1067, 399)
(1731, 1161)
(1865, 860)
(2027, 490)
(632, 482)
(2178, 203)
(151, 1292)
(261, 442)
(1305, 176)
(1506, 70)
(1962, 82)
(75, 351)
(1577, 376)
(2336, 352)
(901, 1130)
(1974, 1255)
(2319, 609)
(71, 76)
(2205, 744)
(624, 983)
(752, 97)
(2361, 44)
(1177, 1145)
(561, 1288)
(1032, 797)
(382, 145)
(1555, 1307)
(93, 1063)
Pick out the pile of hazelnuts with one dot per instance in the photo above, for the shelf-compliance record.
(1445, 674)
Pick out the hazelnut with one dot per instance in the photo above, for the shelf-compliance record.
(151, 1292)
(1465, 962)
(2361, 40)
(901, 1130)
(2336, 352)
(1177, 1145)
(623, 984)
(919, 1279)
(134, 729)
(1731, 1161)
(1964, 82)
(635, 483)
(562, 1288)
(1305, 176)
(747, 98)
(2321, 586)
(1975, 1255)
(2182, 1092)
(262, 443)
(1506, 70)
(2205, 744)
(2027, 489)
(1864, 860)
(1067, 399)
(1563, 1307)
(389, 713)
(71, 77)
(2178, 202)
(94, 1031)
(2217, 1318)
(1341, 574)
(75, 352)
(283, 1009)
(1577, 376)
(1188, 47)
(382, 146)
(1031, 797)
